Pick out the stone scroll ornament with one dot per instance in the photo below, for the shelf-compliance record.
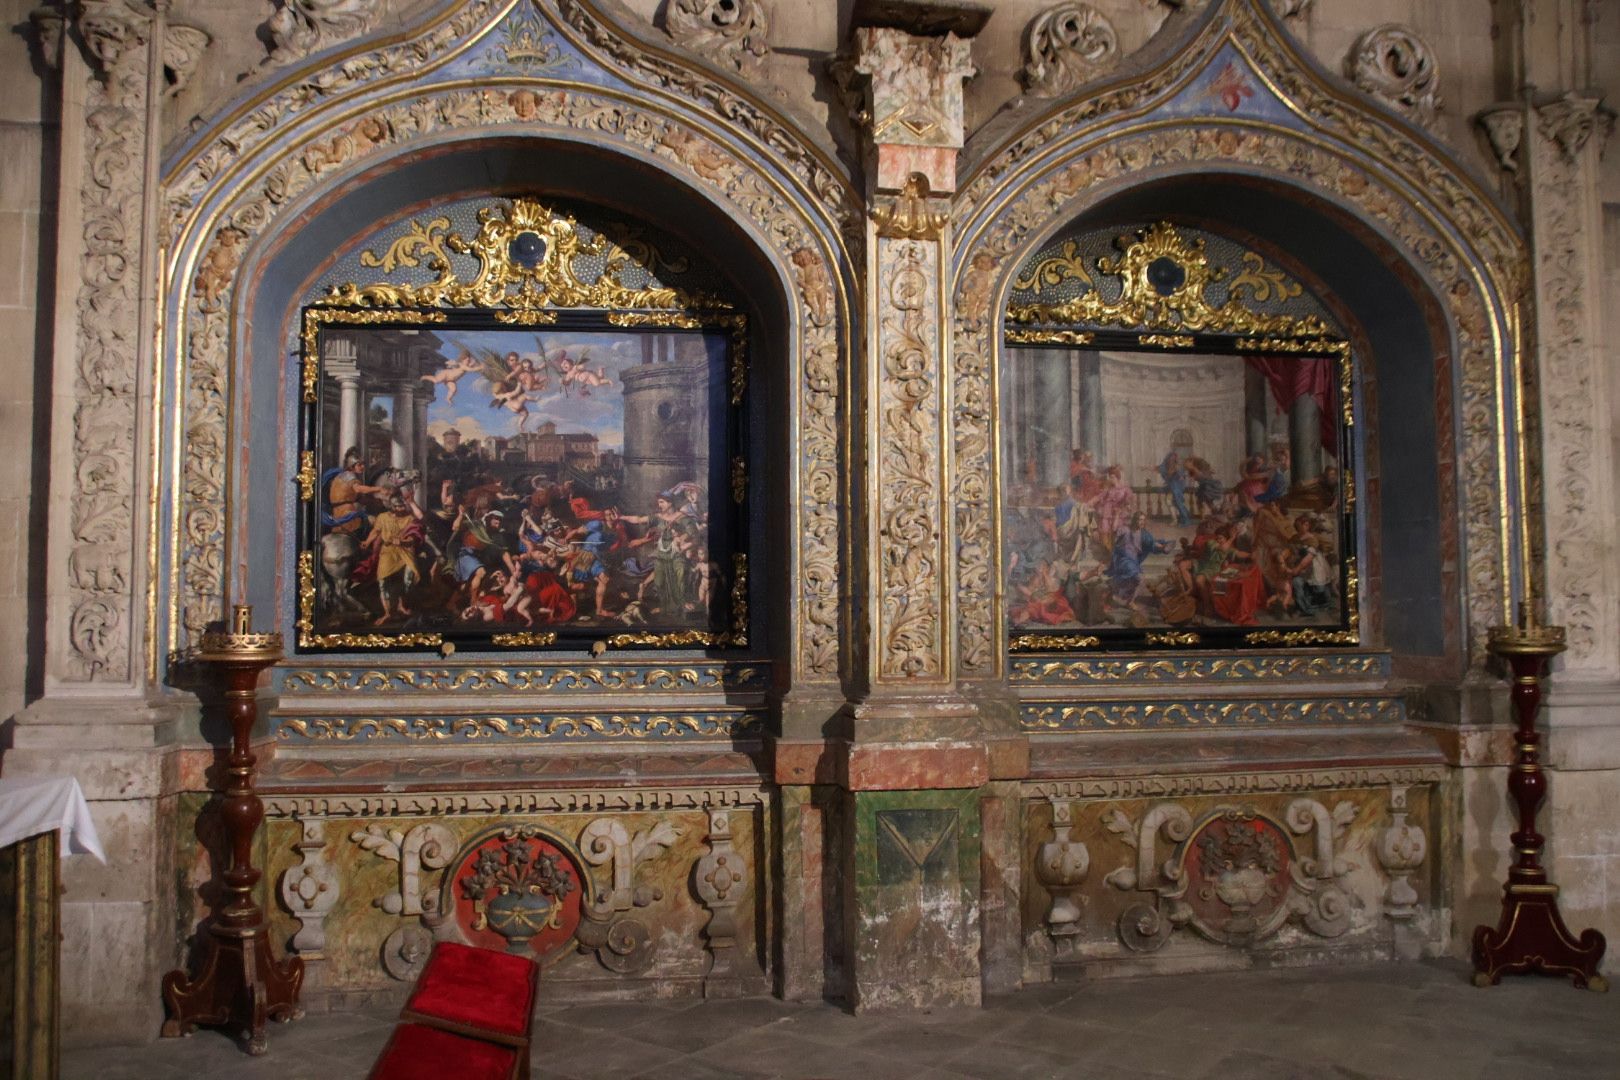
(1396, 66)
(1067, 45)
(731, 33)
(302, 27)
(1232, 875)
(426, 847)
(622, 944)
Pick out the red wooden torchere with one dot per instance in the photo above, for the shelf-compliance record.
(239, 977)
(1531, 936)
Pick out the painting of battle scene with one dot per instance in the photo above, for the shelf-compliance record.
(482, 480)
(1172, 491)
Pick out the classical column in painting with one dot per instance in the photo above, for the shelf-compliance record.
(402, 419)
(1256, 398)
(102, 717)
(918, 753)
(340, 365)
(1056, 411)
(1304, 439)
(1088, 363)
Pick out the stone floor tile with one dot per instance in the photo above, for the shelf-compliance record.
(916, 1044)
(1008, 1061)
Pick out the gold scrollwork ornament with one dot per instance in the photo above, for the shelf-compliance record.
(1163, 276)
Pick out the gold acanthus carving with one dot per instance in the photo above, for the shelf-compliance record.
(1020, 336)
(1233, 783)
(791, 230)
(506, 801)
(1185, 637)
(306, 476)
(533, 639)
(909, 215)
(548, 281)
(1207, 714)
(1041, 642)
(658, 678)
(1165, 341)
(1293, 639)
(1195, 669)
(739, 479)
(1143, 304)
(552, 726)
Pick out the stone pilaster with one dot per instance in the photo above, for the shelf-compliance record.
(917, 754)
(102, 719)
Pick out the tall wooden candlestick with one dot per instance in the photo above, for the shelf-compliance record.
(1531, 936)
(239, 975)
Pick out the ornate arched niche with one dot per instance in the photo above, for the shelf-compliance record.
(508, 98)
(1233, 124)
(1256, 804)
(404, 777)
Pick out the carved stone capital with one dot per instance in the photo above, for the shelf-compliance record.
(1504, 127)
(1066, 46)
(112, 29)
(732, 33)
(46, 24)
(1570, 121)
(910, 215)
(1393, 64)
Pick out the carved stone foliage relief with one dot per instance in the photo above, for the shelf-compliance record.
(1067, 45)
(732, 33)
(1396, 66)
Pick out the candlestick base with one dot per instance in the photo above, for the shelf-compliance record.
(240, 979)
(1532, 938)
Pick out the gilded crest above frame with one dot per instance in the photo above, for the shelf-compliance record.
(1178, 440)
(581, 493)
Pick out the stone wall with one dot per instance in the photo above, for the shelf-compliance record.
(27, 212)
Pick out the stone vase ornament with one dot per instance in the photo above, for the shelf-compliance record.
(517, 889)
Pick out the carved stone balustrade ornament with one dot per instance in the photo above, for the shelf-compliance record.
(1067, 45)
(1401, 849)
(1396, 66)
(1061, 865)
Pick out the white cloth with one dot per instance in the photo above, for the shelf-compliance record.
(30, 805)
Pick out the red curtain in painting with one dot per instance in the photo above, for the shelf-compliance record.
(1291, 379)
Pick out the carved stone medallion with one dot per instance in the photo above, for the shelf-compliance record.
(517, 890)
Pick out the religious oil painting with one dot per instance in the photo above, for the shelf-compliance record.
(1175, 497)
(495, 485)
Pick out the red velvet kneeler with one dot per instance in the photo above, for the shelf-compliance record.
(418, 1052)
(479, 993)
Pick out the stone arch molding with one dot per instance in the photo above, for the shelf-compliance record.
(1238, 96)
(547, 68)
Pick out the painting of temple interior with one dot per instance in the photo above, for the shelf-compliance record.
(1158, 489)
(820, 539)
(474, 481)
